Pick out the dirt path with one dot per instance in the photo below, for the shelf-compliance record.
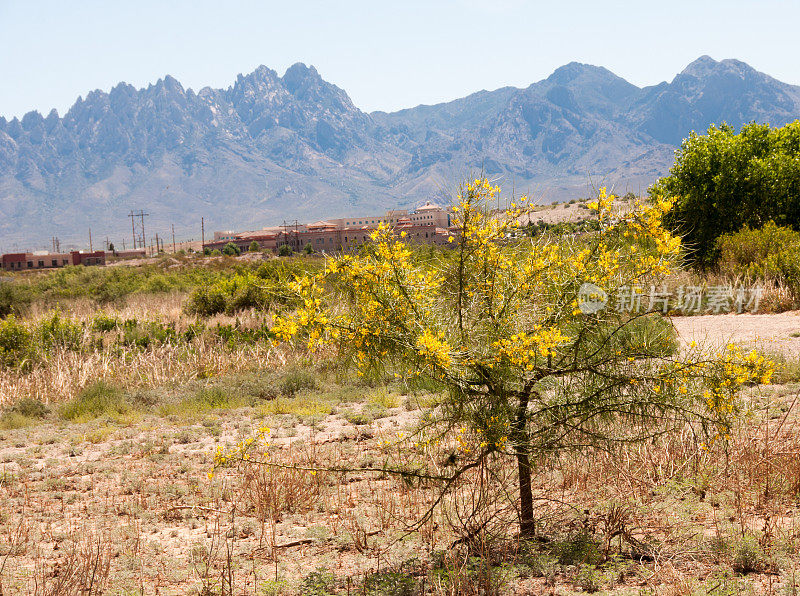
(771, 333)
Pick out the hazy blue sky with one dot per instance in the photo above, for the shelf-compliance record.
(386, 55)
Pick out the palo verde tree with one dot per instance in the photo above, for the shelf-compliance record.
(514, 329)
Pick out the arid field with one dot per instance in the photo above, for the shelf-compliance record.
(157, 438)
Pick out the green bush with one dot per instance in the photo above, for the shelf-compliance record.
(295, 380)
(771, 253)
(318, 583)
(96, 400)
(254, 247)
(580, 549)
(285, 251)
(723, 181)
(22, 414)
(104, 323)
(749, 557)
(30, 408)
(14, 298)
(55, 332)
(17, 344)
(231, 250)
(390, 583)
(265, 287)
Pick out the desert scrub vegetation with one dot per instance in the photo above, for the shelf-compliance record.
(723, 181)
(769, 255)
(52, 356)
(262, 288)
(404, 420)
(527, 370)
(115, 284)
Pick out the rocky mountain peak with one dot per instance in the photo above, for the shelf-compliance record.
(273, 147)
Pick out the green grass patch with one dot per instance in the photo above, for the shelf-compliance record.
(206, 399)
(297, 406)
(97, 400)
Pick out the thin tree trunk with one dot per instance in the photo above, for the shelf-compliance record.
(527, 526)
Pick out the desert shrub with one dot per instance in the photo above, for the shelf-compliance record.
(207, 301)
(254, 247)
(14, 420)
(104, 323)
(770, 253)
(308, 249)
(318, 583)
(748, 556)
(31, 408)
(150, 333)
(580, 549)
(56, 332)
(390, 583)
(14, 298)
(296, 380)
(96, 400)
(17, 344)
(285, 251)
(589, 579)
(23, 413)
(245, 289)
(230, 295)
(212, 398)
(231, 250)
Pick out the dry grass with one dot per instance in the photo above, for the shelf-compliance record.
(125, 505)
(135, 503)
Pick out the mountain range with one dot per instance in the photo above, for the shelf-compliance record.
(271, 148)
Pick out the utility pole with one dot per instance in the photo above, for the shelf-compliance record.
(202, 233)
(173, 239)
(90, 240)
(141, 238)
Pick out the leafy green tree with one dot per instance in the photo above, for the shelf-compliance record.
(285, 251)
(231, 250)
(308, 249)
(517, 335)
(723, 181)
(254, 247)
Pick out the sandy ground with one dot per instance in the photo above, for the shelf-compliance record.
(776, 333)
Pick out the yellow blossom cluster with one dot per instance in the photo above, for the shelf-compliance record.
(523, 349)
(434, 349)
(240, 451)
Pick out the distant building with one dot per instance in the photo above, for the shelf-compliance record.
(429, 224)
(132, 253)
(26, 261)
